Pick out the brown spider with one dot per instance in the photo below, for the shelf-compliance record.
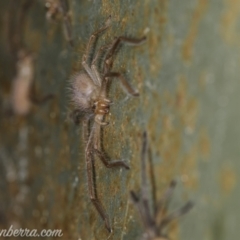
(89, 94)
(154, 222)
(60, 9)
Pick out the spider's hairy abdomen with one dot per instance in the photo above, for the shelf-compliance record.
(84, 91)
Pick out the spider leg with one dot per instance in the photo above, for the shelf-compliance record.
(67, 21)
(152, 181)
(93, 64)
(144, 187)
(92, 191)
(112, 164)
(100, 122)
(138, 203)
(75, 116)
(142, 202)
(108, 62)
(166, 196)
(100, 154)
(94, 36)
(124, 83)
(99, 52)
(90, 176)
(93, 146)
(149, 224)
(86, 131)
(88, 50)
(178, 213)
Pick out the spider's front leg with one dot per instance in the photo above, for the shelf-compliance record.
(108, 61)
(90, 45)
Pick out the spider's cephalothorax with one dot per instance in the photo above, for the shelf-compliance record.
(89, 96)
(155, 221)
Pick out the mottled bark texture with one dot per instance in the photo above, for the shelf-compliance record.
(187, 74)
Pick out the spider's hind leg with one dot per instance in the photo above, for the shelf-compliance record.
(90, 46)
(93, 147)
(94, 37)
(97, 149)
(110, 164)
(92, 188)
